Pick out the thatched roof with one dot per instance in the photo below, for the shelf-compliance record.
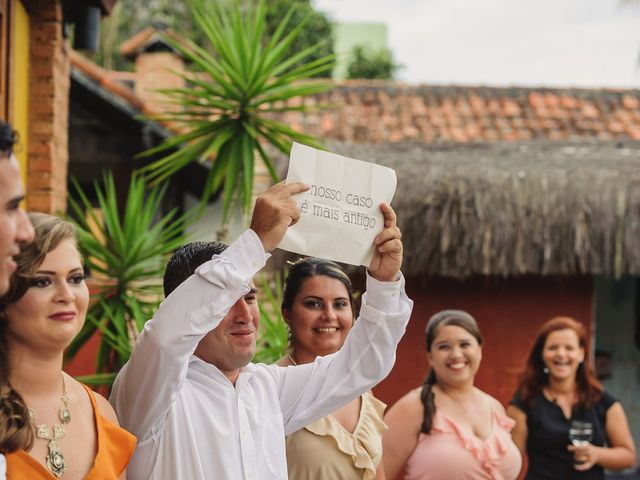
(512, 209)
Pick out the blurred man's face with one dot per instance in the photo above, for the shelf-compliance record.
(15, 228)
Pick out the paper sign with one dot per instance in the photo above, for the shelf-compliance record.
(340, 214)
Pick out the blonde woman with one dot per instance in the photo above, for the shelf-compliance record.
(72, 432)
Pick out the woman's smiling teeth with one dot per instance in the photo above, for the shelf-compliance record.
(457, 365)
(326, 329)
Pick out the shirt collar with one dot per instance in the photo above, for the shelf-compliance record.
(214, 372)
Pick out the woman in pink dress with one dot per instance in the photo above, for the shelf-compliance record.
(448, 428)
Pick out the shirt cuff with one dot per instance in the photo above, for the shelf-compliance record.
(246, 254)
(384, 296)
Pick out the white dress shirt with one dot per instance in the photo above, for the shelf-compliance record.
(192, 423)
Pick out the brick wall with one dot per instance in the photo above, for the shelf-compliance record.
(48, 108)
(156, 70)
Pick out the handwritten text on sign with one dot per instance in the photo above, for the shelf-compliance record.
(340, 214)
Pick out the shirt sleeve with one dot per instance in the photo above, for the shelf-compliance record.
(146, 386)
(604, 404)
(311, 391)
(607, 400)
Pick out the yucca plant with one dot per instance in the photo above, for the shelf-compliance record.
(228, 117)
(125, 255)
(273, 339)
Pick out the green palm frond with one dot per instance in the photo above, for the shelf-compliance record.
(273, 340)
(125, 251)
(228, 116)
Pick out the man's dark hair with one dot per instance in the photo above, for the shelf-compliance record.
(8, 138)
(185, 260)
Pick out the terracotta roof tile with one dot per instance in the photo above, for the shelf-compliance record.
(616, 127)
(632, 103)
(634, 132)
(551, 100)
(568, 102)
(590, 111)
(392, 112)
(377, 112)
(137, 44)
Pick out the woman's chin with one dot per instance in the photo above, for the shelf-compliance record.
(326, 348)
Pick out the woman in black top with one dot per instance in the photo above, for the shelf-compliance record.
(558, 387)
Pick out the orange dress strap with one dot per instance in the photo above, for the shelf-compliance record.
(115, 448)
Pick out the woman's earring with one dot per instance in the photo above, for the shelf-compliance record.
(545, 370)
(289, 336)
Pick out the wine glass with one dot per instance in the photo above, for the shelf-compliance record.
(580, 433)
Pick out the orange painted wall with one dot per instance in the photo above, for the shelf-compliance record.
(509, 312)
(84, 362)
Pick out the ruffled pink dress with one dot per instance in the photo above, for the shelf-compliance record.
(453, 453)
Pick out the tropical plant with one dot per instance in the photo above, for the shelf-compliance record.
(129, 17)
(273, 340)
(318, 31)
(229, 116)
(125, 255)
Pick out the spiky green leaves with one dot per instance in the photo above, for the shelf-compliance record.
(226, 113)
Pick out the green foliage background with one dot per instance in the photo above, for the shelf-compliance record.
(371, 64)
(129, 17)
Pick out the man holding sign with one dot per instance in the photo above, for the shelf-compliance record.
(199, 408)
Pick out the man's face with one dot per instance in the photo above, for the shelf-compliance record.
(232, 344)
(15, 228)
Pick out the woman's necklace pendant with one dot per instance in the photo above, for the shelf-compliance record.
(55, 459)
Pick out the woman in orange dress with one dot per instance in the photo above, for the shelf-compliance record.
(72, 432)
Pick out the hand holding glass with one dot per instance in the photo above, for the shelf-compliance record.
(580, 433)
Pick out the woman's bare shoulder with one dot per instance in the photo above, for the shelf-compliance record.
(409, 404)
(494, 402)
(104, 407)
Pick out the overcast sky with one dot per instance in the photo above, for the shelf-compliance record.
(588, 43)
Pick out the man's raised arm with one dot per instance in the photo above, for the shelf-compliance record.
(151, 379)
(313, 390)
